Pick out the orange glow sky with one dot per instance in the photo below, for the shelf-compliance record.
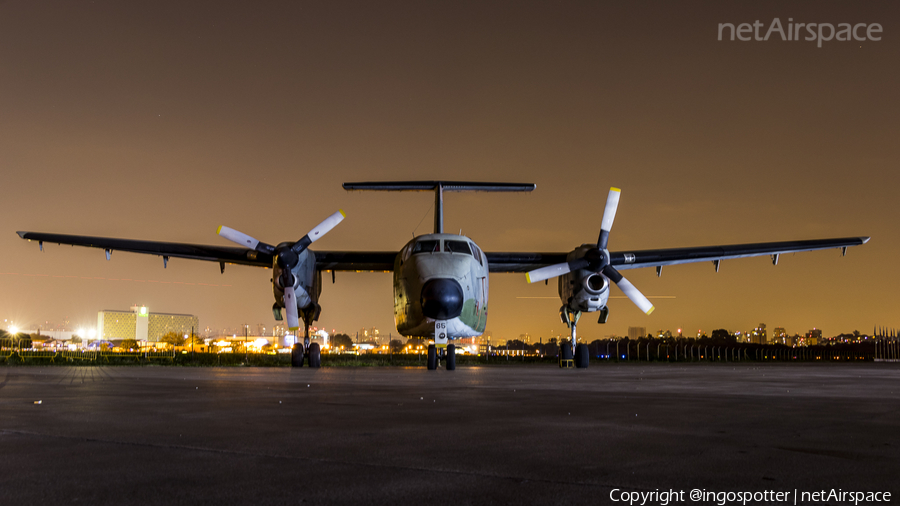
(159, 121)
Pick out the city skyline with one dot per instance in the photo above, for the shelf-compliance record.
(110, 129)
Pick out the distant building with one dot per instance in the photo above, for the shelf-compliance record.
(758, 336)
(142, 325)
(637, 332)
(780, 336)
(813, 337)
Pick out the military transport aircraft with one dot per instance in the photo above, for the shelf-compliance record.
(441, 280)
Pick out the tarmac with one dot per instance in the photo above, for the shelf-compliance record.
(477, 435)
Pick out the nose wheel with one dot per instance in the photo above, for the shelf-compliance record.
(435, 355)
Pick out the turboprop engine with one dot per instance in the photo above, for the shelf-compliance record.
(583, 290)
(294, 268)
(587, 271)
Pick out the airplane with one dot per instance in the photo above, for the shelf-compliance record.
(440, 281)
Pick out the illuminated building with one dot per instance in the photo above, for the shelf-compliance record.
(142, 325)
(758, 336)
(637, 332)
(780, 336)
(813, 337)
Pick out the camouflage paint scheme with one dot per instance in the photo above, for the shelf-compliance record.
(412, 270)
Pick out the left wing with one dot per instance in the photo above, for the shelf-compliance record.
(525, 262)
(660, 257)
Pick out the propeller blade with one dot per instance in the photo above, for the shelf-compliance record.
(244, 239)
(319, 230)
(551, 271)
(609, 215)
(629, 290)
(290, 304)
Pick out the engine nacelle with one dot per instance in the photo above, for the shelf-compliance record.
(584, 291)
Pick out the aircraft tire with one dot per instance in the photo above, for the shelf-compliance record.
(565, 351)
(297, 355)
(451, 357)
(432, 357)
(315, 356)
(582, 356)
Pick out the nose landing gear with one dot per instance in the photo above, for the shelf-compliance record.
(435, 355)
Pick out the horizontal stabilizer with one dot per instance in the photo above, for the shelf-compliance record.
(447, 186)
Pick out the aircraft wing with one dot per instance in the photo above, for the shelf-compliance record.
(325, 260)
(525, 262)
(375, 261)
(221, 254)
(659, 257)
(522, 262)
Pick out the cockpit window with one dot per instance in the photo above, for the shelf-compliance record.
(427, 247)
(477, 253)
(457, 247)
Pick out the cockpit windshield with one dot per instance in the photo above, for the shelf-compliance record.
(427, 247)
(457, 247)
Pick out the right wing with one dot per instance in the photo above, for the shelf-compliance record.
(221, 254)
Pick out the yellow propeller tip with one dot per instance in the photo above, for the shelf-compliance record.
(614, 189)
(651, 309)
(528, 277)
(293, 328)
(343, 214)
(219, 230)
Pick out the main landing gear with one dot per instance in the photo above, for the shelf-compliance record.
(572, 353)
(435, 355)
(299, 354)
(312, 351)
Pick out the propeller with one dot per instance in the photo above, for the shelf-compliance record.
(597, 259)
(287, 255)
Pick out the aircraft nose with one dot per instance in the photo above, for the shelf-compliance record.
(442, 299)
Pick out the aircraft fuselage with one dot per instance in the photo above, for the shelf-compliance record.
(440, 277)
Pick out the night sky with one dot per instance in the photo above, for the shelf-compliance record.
(162, 121)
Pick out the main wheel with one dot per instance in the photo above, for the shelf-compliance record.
(451, 357)
(582, 356)
(432, 357)
(297, 355)
(315, 356)
(565, 351)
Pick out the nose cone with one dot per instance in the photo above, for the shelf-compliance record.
(442, 299)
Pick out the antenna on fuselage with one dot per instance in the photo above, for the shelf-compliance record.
(439, 187)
